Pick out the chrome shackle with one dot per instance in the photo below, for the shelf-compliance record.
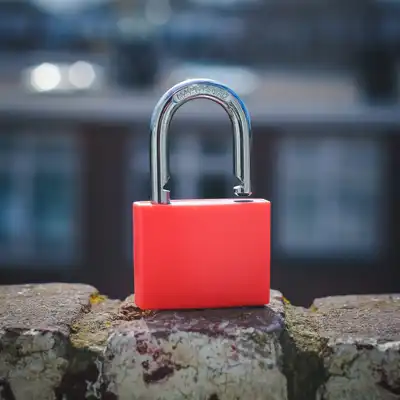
(161, 118)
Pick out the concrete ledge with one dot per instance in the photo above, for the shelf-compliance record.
(344, 348)
(363, 346)
(64, 342)
(205, 354)
(35, 323)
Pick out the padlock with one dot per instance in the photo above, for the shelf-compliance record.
(204, 253)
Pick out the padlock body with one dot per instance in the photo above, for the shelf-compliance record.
(201, 253)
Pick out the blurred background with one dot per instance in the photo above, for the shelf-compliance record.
(78, 83)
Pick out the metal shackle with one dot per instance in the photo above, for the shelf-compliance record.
(160, 121)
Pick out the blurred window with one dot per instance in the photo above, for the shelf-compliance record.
(329, 197)
(49, 26)
(21, 26)
(39, 193)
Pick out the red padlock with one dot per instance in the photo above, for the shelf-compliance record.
(201, 253)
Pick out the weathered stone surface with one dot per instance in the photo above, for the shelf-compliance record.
(363, 358)
(67, 342)
(344, 348)
(88, 339)
(202, 354)
(47, 307)
(34, 327)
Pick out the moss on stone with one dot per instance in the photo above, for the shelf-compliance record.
(303, 353)
(96, 298)
(88, 336)
(85, 334)
(92, 329)
(259, 338)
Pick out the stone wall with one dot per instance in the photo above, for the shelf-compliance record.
(67, 342)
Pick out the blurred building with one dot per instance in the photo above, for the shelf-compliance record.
(78, 84)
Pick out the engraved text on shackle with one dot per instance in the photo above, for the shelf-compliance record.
(201, 90)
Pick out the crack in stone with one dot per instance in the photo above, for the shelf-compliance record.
(159, 374)
(6, 392)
